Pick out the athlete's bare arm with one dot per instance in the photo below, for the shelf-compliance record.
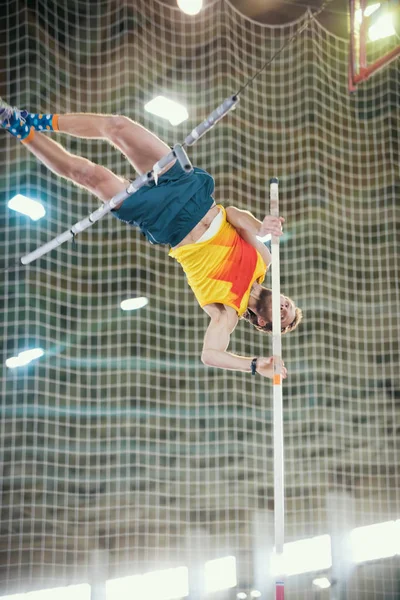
(216, 340)
(248, 227)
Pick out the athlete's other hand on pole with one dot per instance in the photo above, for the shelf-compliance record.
(265, 367)
(272, 225)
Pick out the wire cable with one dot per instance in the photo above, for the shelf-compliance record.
(312, 17)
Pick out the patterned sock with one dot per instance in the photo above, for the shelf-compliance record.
(29, 137)
(22, 124)
(41, 122)
(18, 128)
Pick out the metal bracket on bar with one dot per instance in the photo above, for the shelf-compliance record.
(183, 158)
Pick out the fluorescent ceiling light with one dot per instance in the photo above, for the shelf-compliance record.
(371, 9)
(24, 358)
(383, 27)
(220, 574)
(134, 303)
(78, 592)
(322, 582)
(125, 587)
(167, 584)
(367, 12)
(190, 7)
(375, 541)
(156, 585)
(161, 106)
(26, 206)
(303, 556)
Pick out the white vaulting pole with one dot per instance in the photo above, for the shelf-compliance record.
(279, 496)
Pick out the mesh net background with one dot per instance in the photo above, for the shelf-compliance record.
(119, 440)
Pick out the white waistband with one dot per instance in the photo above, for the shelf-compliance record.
(213, 228)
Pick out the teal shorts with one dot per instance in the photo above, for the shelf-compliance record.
(165, 213)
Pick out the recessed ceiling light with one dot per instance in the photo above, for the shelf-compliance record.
(26, 206)
(134, 303)
(168, 109)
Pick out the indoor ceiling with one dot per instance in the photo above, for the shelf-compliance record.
(334, 16)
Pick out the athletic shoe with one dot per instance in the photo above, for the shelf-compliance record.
(14, 120)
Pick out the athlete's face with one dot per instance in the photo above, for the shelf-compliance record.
(288, 311)
(264, 309)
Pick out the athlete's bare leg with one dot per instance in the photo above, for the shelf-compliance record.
(97, 179)
(141, 147)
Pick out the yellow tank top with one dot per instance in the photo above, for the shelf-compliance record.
(221, 269)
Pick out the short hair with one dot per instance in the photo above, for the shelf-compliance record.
(252, 318)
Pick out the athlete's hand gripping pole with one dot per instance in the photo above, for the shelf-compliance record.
(279, 498)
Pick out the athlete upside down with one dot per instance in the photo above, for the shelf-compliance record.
(218, 248)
